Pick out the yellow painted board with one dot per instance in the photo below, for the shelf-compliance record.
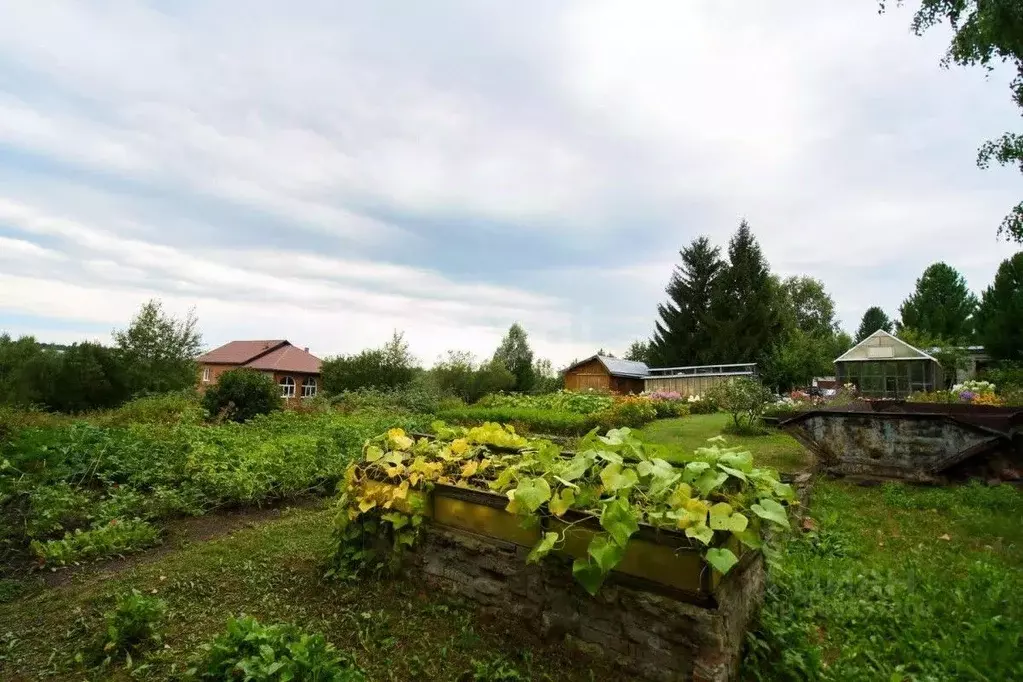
(484, 520)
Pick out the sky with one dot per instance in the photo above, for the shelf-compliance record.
(329, 171)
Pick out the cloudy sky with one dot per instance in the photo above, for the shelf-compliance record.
(329, 171)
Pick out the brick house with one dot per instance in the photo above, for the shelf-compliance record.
(294, 369)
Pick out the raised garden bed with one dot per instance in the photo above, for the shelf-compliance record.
(610, 547)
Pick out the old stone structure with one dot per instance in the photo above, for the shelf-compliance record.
(649, 635)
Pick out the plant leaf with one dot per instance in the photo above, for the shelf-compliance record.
(544, 547)
(772, 511)
(561, 503)
(607, 554)
(701, 532)
(619, 520)
(721, 559)
(588, 574)
(709, 480)
(615, 478)
(531, 493)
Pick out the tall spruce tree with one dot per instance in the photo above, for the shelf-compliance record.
(941, 306)
(873, 319)
(681, 335)
(745, 311)
(1000, 316)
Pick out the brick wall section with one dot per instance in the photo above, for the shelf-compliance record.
(649, 636)
(217, 370)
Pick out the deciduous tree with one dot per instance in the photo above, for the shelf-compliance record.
(639, 351)
(985, 32)
(515, 354)
(159, 350)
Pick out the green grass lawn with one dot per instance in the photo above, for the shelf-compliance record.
(898, 583)
(776, 449)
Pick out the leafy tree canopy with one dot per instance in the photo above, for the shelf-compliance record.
(159, 350)
(460, 375)
(387, 367)
(809, 305)
(1000, 316)
(639, 351)
(941, 306)
(985, 32)
(515, 354)
(241, 394)
(873, 319)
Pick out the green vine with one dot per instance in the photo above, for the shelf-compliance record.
(616, 478)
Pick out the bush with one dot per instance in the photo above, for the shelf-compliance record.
(704, 404)
(580, 402)
(524, 419)
(388, 367)
(744, 398)
(631, 411)
(241, 394)
(182, 407)
(461, 376)
(261, 653)
(418, 397)
(133, 624)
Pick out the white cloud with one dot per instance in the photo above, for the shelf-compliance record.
(336, 170)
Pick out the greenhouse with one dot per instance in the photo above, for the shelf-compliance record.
(883, 366)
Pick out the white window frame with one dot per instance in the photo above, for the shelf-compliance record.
(309, 387)
(206, 375)
(287, 387)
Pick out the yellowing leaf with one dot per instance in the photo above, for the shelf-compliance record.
(560, 504)
(469, 470)
(373, 453)
(459, 446)
(397, 439)
(680, 495)
(366, 504)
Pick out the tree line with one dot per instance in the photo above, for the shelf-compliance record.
(154, 354)
(512, 367)
(730, 308)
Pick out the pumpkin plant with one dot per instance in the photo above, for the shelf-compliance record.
(616, 479)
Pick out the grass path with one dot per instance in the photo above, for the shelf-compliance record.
(396, 629)
(777, 449)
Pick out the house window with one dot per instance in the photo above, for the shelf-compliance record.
(287, 387)
(308, 387)
(206, 375)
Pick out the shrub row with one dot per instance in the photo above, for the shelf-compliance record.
(631, 412)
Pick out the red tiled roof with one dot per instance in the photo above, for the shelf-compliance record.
(276, 355)
(239, 352)
(287, 359)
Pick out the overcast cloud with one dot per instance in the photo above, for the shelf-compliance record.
(328, 171)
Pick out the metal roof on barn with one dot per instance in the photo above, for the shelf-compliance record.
(616, 367)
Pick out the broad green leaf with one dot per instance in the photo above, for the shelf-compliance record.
(772, 511)
(619, 520)
(607, 554)
(733, 472)
(503, 480)
(588, 574)
(709, 480)
(719, 513)
(397, 520)
(544, 547)
(701, 532)
(566, 483)
(575, 467)
(743, 461)
(615, 478)
(693, 471)
(373, 453)
(531, 493)
(721, 559)
(784, 491)
(561, 502)
(750, 537)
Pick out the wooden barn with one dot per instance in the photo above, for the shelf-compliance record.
(610, 375)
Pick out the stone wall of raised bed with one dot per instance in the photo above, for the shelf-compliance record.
(650, 635)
